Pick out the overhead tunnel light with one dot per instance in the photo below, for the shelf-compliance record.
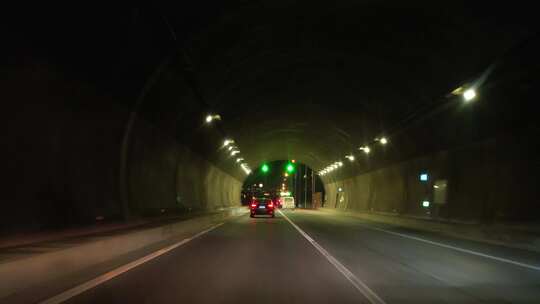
(246, 168)
(469, 94)
(247, 171)
(366, 149)
(228, 143)
(350, 157)
(211, 117)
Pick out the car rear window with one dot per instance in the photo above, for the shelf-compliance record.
(262, 200)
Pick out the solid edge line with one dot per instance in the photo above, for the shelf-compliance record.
(72, 292)
(533, 267)
(370, 295)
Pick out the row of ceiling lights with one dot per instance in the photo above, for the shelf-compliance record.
(467, 94)
(228, 145)
(366, 149)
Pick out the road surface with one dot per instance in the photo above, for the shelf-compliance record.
(320, 257)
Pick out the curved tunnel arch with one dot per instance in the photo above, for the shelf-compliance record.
(231, 80)
(252, 66)
(322, 98)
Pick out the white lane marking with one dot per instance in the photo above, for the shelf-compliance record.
(355, 281)
(70, 293)
(533, 267)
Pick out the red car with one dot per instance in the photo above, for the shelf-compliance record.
(261, 206)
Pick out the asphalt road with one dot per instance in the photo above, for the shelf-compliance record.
(333, 259)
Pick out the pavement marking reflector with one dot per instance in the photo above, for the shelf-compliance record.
(533, 267)
(355, 281)
(70, 293)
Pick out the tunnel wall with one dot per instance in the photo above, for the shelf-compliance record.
(165, 175)
(61, 150)
(491, 180)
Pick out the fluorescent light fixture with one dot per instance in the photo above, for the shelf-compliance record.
(211, 117)
(469, 94)
(246, 168)
(366, 149)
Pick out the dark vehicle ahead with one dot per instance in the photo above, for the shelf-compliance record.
(261, 206)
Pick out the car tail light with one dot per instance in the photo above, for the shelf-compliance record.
(253, 205)
(271, 205)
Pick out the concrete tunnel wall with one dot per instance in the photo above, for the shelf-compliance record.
(166, 175)
(485, 182)
(62, 150)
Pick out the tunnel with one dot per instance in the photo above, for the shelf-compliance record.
(108, 118)
(424, 110)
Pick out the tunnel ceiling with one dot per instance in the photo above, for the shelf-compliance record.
(315, 81)
(303, 79)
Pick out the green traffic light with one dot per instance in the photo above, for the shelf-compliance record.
(290, 168)
(265, 168)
